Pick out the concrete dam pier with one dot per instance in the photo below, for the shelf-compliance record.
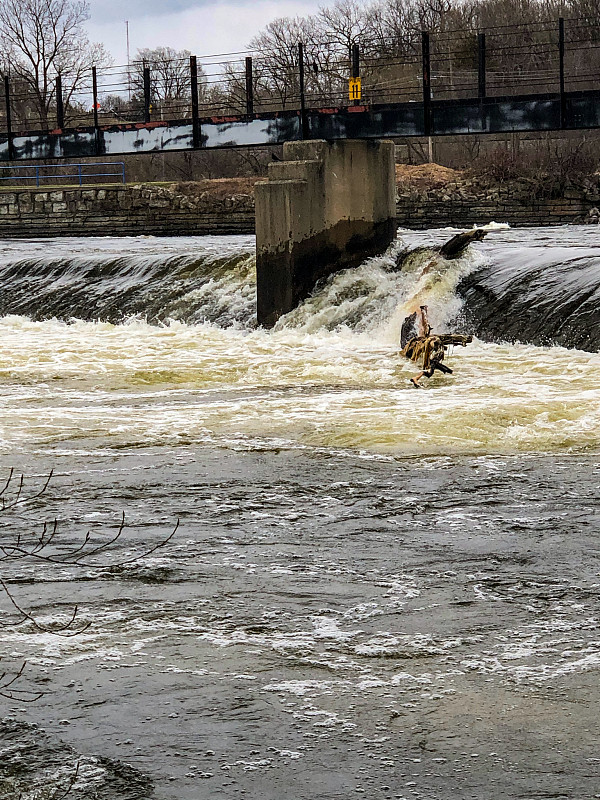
(327, 206)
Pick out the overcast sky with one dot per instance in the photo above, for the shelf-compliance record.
(201, 26)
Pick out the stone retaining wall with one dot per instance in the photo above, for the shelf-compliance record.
(464, 204)
(422, 215)
(158, 211)
(120, 211)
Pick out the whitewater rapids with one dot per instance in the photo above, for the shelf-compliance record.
(372, 590)
(147, 341)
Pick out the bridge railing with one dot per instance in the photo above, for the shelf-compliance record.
(532, 58)
(64, 174)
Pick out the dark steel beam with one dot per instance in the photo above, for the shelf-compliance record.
(60, 109)
(147, 106)
(11, 147)
(561, 71)
(426, 57)
(355, 61)
(96, 107)
(249, 88)
(195, 107)
(481, 65)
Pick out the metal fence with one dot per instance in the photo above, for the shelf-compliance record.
(63, 174)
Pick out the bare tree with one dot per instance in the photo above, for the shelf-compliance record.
(346, 22)
(392, 26)
(326, 62)
(522, 48)
(41, 39)
(277, 60)
(170, 79)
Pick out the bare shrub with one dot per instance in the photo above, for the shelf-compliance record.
(550, 168)
(499, 166)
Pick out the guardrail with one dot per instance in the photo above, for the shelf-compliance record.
(38, 172)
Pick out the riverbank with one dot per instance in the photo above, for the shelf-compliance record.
(429, 196)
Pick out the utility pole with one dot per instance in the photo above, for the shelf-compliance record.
(426, 58)
(561, 71)
(128, 62)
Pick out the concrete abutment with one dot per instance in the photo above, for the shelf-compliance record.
(327, 206)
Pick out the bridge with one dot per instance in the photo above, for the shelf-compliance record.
(331, 201)
(433, 92)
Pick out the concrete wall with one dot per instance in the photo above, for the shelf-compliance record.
(325, 207)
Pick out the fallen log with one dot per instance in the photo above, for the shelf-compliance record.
(456, 246)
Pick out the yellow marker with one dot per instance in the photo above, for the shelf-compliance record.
(354, 88)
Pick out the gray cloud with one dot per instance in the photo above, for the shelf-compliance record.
(201, 26)
(103, 11)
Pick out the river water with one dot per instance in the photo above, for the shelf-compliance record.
(373, 590)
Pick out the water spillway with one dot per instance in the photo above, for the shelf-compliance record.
(505, 289)
(165, 331)
(409, 579)
(545, 292)
(114, 280)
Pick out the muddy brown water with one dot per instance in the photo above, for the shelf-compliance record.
(372, 590)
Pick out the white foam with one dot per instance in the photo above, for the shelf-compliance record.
(328, 378)
(493, 226)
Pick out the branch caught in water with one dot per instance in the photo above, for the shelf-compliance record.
(45, 547)
(7, 690)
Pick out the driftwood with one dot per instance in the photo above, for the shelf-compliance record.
(455, 338)
(456, 246)
(432, 347)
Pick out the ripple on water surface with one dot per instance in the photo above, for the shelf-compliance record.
(373, 589)
(383, 619)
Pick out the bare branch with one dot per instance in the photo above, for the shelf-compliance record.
(67, 629)
(44, 547)
(21, 695)
(8, 481)
(18, 499)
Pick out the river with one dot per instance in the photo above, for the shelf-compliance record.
(372, 590)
